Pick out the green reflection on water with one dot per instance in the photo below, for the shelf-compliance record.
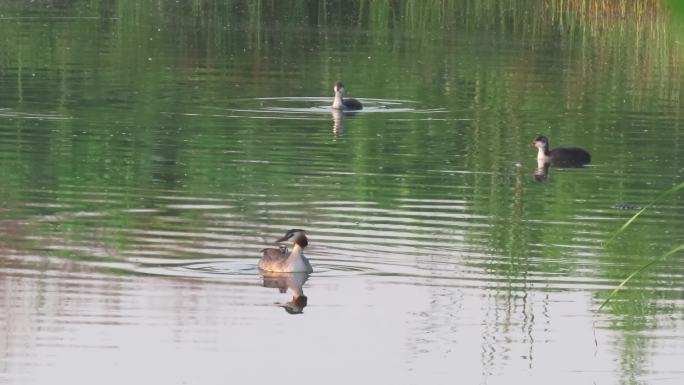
(111, 106)
(115, 87)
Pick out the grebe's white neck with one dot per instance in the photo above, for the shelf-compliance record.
(297, 262)
(296, 252)
(337, 103)
(542, 156)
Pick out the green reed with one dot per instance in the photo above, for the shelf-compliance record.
(653, 261)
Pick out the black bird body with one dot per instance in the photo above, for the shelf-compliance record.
(561, 156)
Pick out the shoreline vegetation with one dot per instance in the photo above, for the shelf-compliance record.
(644, 37)
(596, 27)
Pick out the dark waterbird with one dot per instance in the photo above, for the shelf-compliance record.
(340, 103)
(561, 156)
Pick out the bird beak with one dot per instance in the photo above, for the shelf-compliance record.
(533, 144)
(285, 238)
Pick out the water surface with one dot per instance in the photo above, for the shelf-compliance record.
(148, 153)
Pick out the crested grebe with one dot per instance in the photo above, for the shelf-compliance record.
(561, 156)
(279, 260)
(340, 103)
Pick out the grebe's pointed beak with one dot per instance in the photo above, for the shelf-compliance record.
(290, 234)
(284, 238)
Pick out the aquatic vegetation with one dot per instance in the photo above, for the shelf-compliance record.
(639, 271)
(653, 261)
(635, 216)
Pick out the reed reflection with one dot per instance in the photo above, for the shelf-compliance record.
(291, 281)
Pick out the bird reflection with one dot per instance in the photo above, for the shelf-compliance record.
(292, 281)
(338, 122)
(542, 171)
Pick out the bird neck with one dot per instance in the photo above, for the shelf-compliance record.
(337, 103)
(296, 252)
(543, 154)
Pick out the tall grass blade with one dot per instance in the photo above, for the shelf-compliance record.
(650, 263)
(629, 222)
(639, 270)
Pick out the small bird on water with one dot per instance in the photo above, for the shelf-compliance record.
(340, 103)
(561, 156)
(281, 261)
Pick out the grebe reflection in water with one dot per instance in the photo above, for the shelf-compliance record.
(339, 116)
(292, 281)
(338, 122)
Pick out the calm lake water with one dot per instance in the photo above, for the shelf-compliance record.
(149, 150)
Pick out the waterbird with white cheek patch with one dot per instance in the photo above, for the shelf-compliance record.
(561, 156)
(282, 261)
(340, 103)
